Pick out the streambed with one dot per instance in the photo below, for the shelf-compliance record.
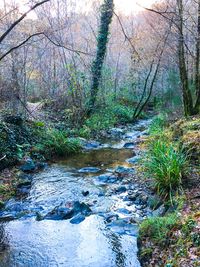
(45, 228)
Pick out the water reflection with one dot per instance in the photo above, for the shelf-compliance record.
(59, 243)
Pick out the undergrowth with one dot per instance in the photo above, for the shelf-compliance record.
(167, 164)
(158, 228)
(165, 161)
(56, 143)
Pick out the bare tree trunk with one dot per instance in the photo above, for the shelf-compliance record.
(197, 66)
(187, 96)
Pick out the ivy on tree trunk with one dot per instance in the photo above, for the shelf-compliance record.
(107, 9)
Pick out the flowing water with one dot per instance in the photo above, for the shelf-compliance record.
(94, 242)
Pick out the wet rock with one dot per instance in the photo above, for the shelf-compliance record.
(132, 195)
(123, 227)
(41, 165)
(67, 211)
(89, 170)
(92, 145)
(106, 178)
(120, 189)
(101, 194)
(143, 199)
(110, 217)
(145, 133)
(159, 212)
(23, 190)
(7, 216)
(133, 159)
(81, 208)
(124, 170)
(77, 219)
(129, 145)
(59, 213)
(116, 132)
(136, 219)
(123, 211)
(14, 206)
(29, 166)
(85, 193)
(24, 182)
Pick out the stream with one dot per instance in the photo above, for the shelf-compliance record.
(82, 211)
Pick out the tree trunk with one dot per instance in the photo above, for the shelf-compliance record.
(187, 96)
(106, 18)
(197, 69)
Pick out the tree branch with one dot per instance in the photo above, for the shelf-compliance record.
(126, 36)
(3, 36)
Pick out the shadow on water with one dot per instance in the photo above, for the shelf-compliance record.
(117, 248)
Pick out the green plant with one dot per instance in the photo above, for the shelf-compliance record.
(158, 124)
(166, 164)
(84, 132)
(158, 228)
(56, 143)
(123, 113)
(101, 120)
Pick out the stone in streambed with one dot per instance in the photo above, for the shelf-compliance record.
(28, 166)
(85, 193)
(129, 145)
(92, 145)
(67, 211)
(77, 219)
(89, 170)
(121, 227)
(133, 159)
(121, 189)
(124, 170)
(123, 211)
(116, 132)
(59, 213)
(106, 178)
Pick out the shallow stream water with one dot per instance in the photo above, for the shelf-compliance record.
(94, 242)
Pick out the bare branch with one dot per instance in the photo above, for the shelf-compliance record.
(126, 36)
(3, 36)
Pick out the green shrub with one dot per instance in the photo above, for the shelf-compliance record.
(56, 143)
(166, 164)
(107, 117)
(102, 120)
(158, 228)
(123, 113)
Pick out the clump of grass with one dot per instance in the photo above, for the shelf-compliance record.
(158, 228)
(167, 164)
(158, 124)
(56, 143)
